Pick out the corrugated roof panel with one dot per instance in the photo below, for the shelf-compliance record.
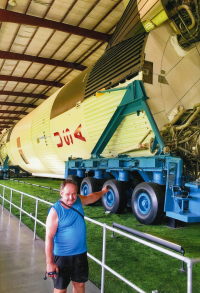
(3, 97)
(39, 89)
(30, 88)
(44, 72)
(21, 68)
(10, 85)
(56, 73)
(20, 87)
(33, 70)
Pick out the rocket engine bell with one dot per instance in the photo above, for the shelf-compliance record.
(156, 42)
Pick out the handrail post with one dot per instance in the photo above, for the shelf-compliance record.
(20, 215)
(189, 277)
(3, 198)
(103, 259)
(35, 225)
(10, 200)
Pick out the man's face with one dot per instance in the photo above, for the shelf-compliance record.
(69, 194)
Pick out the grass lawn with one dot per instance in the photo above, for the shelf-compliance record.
(148, 269)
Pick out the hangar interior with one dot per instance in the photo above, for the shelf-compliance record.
(105, 93)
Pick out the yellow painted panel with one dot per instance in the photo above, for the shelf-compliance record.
(12, 160)
(42, 140)
(98, 112)
(22, 130)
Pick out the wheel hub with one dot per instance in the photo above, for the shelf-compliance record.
(144, 203)
(85, 190)
(110, 198)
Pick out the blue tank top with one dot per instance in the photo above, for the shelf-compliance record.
(70, 237)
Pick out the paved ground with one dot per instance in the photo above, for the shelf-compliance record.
(22, 260)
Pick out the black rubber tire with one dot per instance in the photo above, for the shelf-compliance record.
(156, 207)
(119, 201)
(92, 184)
(77, 180)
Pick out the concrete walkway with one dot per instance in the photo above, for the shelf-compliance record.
(22, 260)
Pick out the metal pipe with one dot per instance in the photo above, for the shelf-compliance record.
(177, 117)
(136, 146)
(189, 120)
(103, 259)
(3, 198)
(20, 216)
(116, 274)
(149, 237)
(189, 277)
(181, 141)
(10, 200)
(35, 225)
(186, 151)
(187, 8)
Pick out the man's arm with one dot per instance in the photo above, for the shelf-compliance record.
(51, 227)
(92, 197)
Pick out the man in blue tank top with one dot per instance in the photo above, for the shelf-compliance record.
(65, 244)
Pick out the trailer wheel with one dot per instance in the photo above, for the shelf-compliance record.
(77, 179)
(148, 202)
(89, 185)
(114, 200)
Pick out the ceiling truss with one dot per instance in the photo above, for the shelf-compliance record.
(9, 16)
(22, 94)
(46, 61)
(31, 80)
(44, 47)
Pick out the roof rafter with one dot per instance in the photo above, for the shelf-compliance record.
(14, 17)
(13, 112)
(9, 118)
(17, 104)
(46, 61)
(7, 123)
(26, 95)
(30, 80)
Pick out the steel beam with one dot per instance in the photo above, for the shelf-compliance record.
(13, 112)
(7, 123)
(9, 118)
(27, 95)
(30, 80)
(65, 64)
(17, 104)
(14, 17)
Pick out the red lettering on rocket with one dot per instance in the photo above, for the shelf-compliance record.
(59, 145)
(68, 139)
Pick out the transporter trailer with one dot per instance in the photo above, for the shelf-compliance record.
(149, 185)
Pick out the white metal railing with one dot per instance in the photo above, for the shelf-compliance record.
(190, 261)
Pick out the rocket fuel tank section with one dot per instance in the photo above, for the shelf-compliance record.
(156, 42)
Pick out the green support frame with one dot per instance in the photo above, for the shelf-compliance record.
(134, 100)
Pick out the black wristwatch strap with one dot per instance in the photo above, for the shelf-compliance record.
(72, 208)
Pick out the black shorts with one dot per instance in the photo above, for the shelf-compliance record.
(73, 268)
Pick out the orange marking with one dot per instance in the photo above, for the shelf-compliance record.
(20, 151)
(18, 142)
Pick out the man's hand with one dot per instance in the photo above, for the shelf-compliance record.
(52, 267)
(105, 189)
(92, 197)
